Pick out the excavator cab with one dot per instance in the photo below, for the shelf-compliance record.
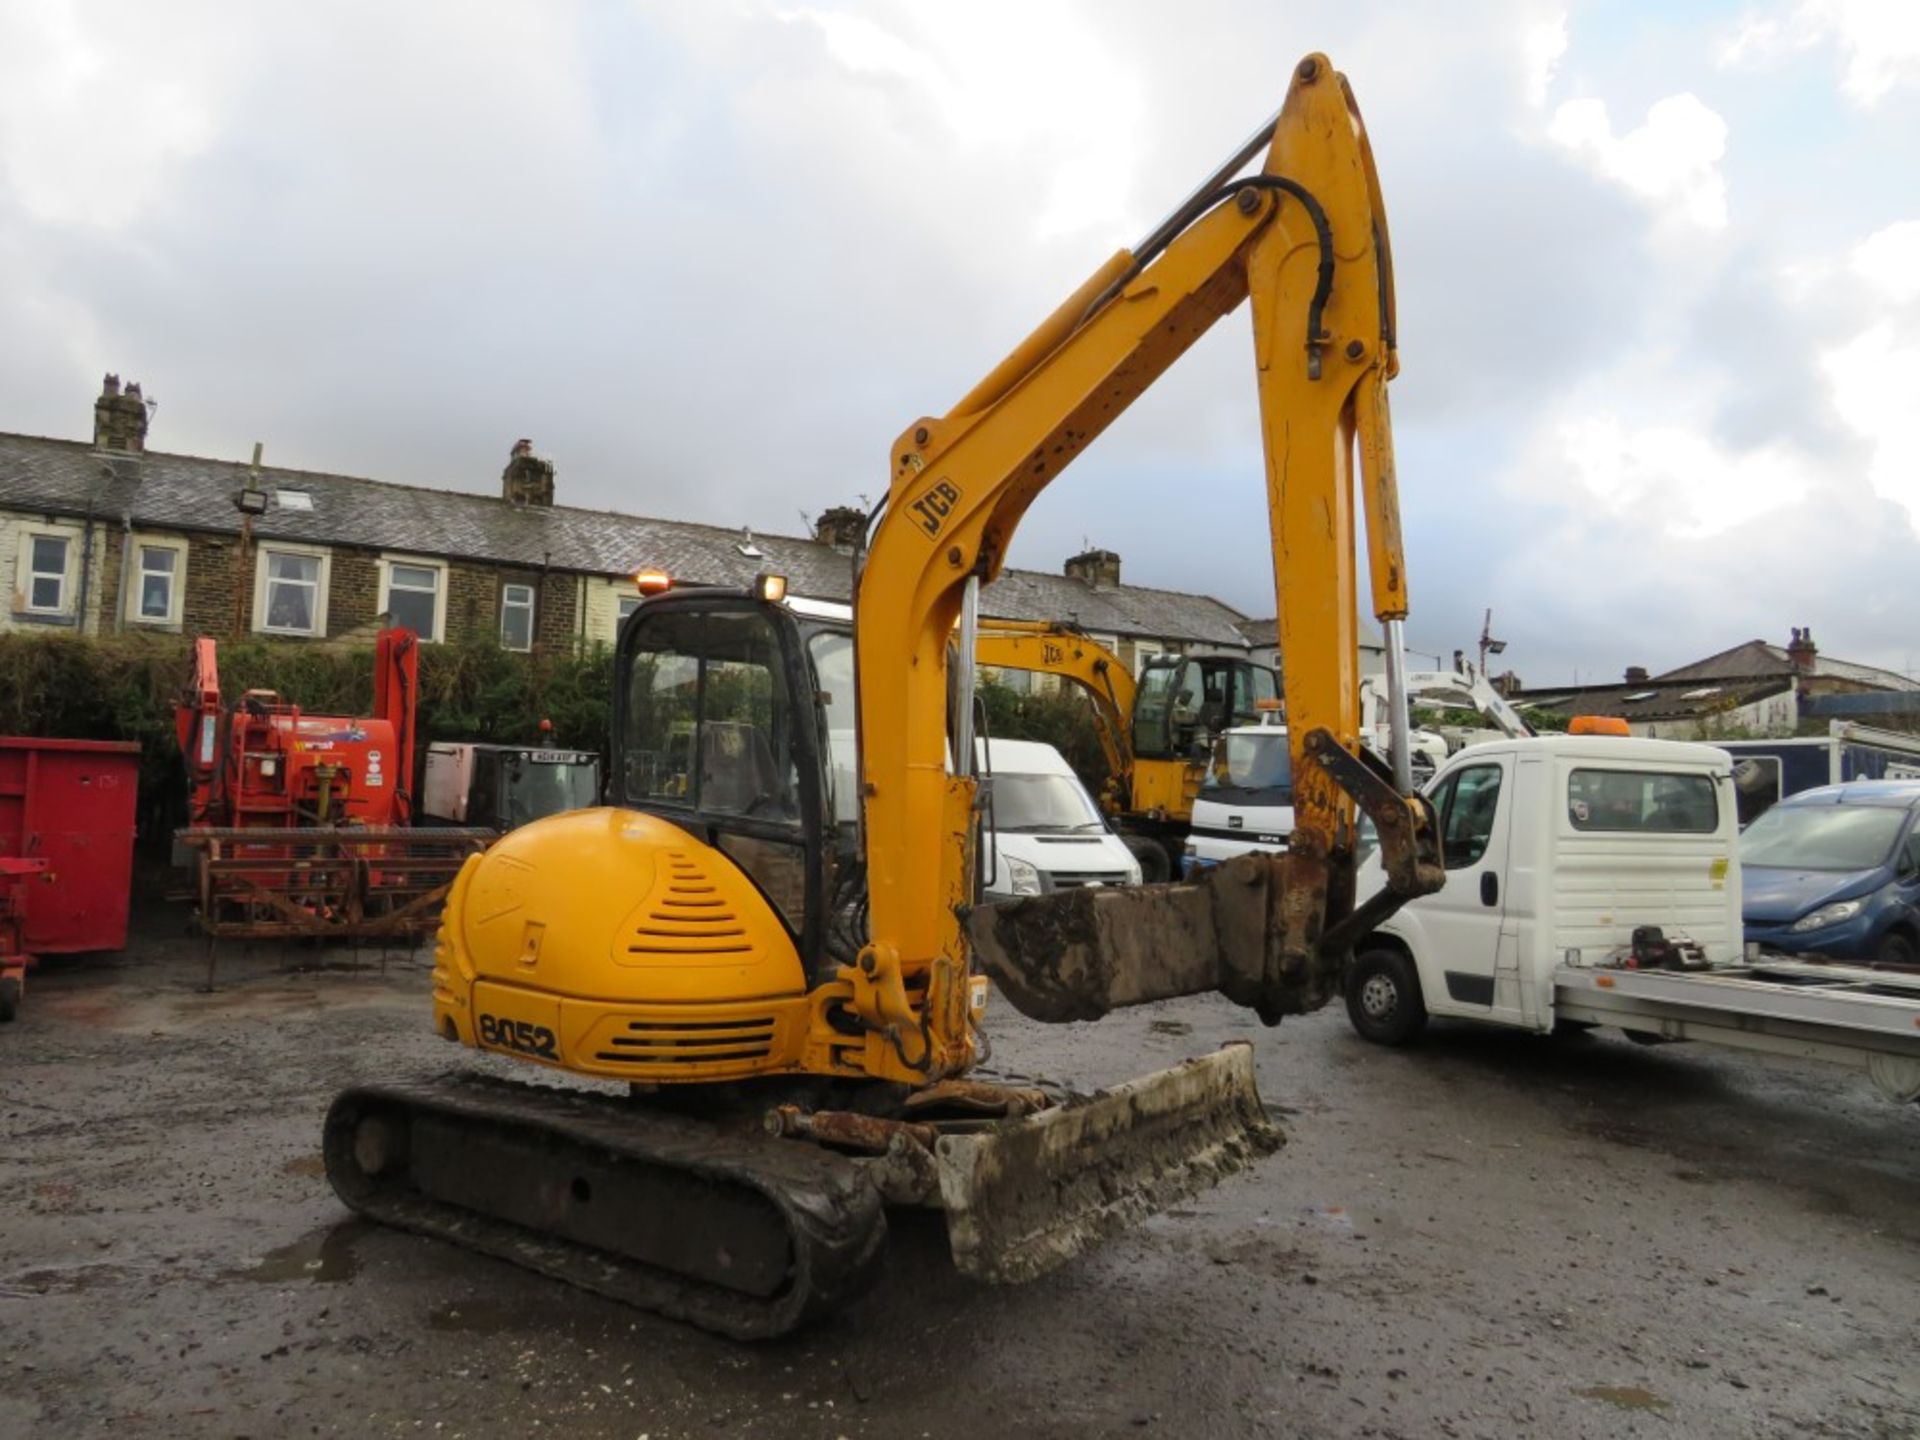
(1186, 700)
(733, 719)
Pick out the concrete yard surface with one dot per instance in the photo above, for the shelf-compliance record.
(1487, 1235)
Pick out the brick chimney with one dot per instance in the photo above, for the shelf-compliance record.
(120, 418)
(1098, 568)
(1636, 674)
(844, 527)
(1802, 652)
(527, 480)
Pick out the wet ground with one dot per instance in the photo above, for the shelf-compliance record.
(1490, 1235)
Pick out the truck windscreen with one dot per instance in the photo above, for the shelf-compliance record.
(535, 789)
(1251, 767)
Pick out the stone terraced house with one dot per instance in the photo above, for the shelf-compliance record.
(110, 536)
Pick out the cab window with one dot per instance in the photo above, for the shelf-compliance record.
(1642, 801)
(1467, 801)
(1152, 706)
(1254, 684)
(709, 725)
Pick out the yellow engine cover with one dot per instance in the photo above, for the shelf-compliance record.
(613, 943)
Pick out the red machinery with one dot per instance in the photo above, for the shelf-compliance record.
(265, 764)
(333, 794)
(66, 851)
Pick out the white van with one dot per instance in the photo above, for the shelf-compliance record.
(1046, 833)
(1557, 850)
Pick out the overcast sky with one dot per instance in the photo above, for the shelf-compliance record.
(1658, 267)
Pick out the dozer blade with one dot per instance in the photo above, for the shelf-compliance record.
(1029, 1194)
(734, 1232)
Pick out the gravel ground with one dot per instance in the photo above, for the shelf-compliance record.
(1489, 1235)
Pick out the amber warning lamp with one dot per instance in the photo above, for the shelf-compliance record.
(1597, 725)
(652, 582)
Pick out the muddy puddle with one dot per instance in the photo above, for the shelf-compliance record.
(1625, 1397)
(62, 1280)
(325, 1257)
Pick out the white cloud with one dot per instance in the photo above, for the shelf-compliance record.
(1542, 47)
(1875, 377)
(994, 78)
(1672, 159)
(1878, 40)
(95, 121)
(1672, 478)
(1889, 261)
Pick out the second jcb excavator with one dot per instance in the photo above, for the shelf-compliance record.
(779, 948)
(1156, 732)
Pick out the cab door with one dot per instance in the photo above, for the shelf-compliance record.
(716, 729)
(1460, 925)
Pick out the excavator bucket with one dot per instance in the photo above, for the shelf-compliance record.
(1030, 1194)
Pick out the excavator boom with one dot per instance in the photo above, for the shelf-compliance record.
(1305, 241)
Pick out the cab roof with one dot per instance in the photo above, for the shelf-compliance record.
(1618, 749)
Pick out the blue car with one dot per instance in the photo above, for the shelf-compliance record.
(1834, 873)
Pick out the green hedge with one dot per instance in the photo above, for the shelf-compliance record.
(124, 688)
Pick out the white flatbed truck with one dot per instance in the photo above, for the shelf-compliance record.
(1559, 848)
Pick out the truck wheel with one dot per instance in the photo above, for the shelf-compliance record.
(1383, 998)
(1156, 867)
(9, 997)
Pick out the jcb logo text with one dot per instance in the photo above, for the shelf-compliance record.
(932, 508)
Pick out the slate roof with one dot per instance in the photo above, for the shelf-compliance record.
(1758, 657)
(1267, 632)
(190, 493)
(1661, 699)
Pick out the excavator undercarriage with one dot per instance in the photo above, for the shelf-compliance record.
(749, 1213)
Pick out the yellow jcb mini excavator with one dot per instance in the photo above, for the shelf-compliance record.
(1156, 733)
(771, 934)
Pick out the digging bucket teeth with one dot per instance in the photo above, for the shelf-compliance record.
(1029, 1194)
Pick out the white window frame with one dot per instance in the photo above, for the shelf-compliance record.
(24, 575)
(623, 606)
(136, 577)
(529, 604)
(1143, 651)
(264, 548)
(417, 562)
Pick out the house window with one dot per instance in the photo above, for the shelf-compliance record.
(159, 565)
(516, 617)
(46, 586)
(293, 586)
(628, 604)
(410, 595)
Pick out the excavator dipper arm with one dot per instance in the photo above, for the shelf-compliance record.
(1305, 240)
(1051, 648)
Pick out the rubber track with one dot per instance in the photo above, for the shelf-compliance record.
(835, 1220)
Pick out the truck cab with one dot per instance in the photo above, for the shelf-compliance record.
(505, 786)
(1246, 800)
(1557, 849)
